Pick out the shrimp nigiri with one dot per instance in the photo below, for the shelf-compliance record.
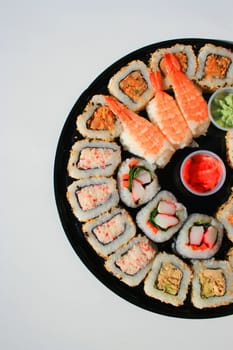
(140, 136)
(164, 111)
(189, 98)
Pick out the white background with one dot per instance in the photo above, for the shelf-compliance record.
(50, 51)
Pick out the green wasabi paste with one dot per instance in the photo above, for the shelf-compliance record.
(222, 110)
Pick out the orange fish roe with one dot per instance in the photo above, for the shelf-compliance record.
(110, 230)
(102, 119)
(230, 219)
(216, 66)
(95, 158)
(136, 258)
(90, 197)
(133, 85)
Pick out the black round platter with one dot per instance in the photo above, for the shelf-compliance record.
(168, 179)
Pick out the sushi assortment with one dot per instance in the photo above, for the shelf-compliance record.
(152, 110)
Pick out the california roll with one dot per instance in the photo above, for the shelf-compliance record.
(109, 231)
(200, 237)
(162, 217)
(137, 182)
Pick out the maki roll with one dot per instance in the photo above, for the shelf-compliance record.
(132, 262)
(215, 67)
(230, 257)
(137, 182)
(109, 231)
(229, 147)
(93, 158)
(162, 217)
(185, 55)
(168, 280)
(200, 237)
(131, 85)
(97, 120)
(91, 197)
(225, 216)
(212, 284)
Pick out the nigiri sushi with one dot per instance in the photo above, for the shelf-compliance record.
(140, 136)
(163, 111)
(185, 55)
(192, 104)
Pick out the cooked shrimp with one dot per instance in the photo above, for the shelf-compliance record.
(140, 136)
(164, 111)
(189, 98)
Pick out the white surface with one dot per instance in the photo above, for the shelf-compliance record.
(50, 52)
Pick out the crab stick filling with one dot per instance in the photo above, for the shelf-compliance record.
(89, 197)
(136, 179)
(94, 157)
(110, 230)
(202, 236)
(136, 258)
(164, 216)
(133, 85)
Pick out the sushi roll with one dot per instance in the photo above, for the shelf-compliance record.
(131, 85)
(132, 262)
(200, 237)
(212, 284)
(225, 216)
(137, 182)
(184, 53)
(109, 231)
(97, 120)
(91, 197)
(230, 257)
(168, 280)
(215, 67)
(229, 147)
(162, 217)
(93, 158)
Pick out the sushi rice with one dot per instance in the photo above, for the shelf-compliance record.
(146, 191)
(91, 197)
(225, 216)
(172, 287)
(107, 126)
(197, 243)
(152, 229)
(93, 158)
(212, 284)
(179, 50)
(132, 262)
(142, 96)
(109, 231)
(213, 82)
